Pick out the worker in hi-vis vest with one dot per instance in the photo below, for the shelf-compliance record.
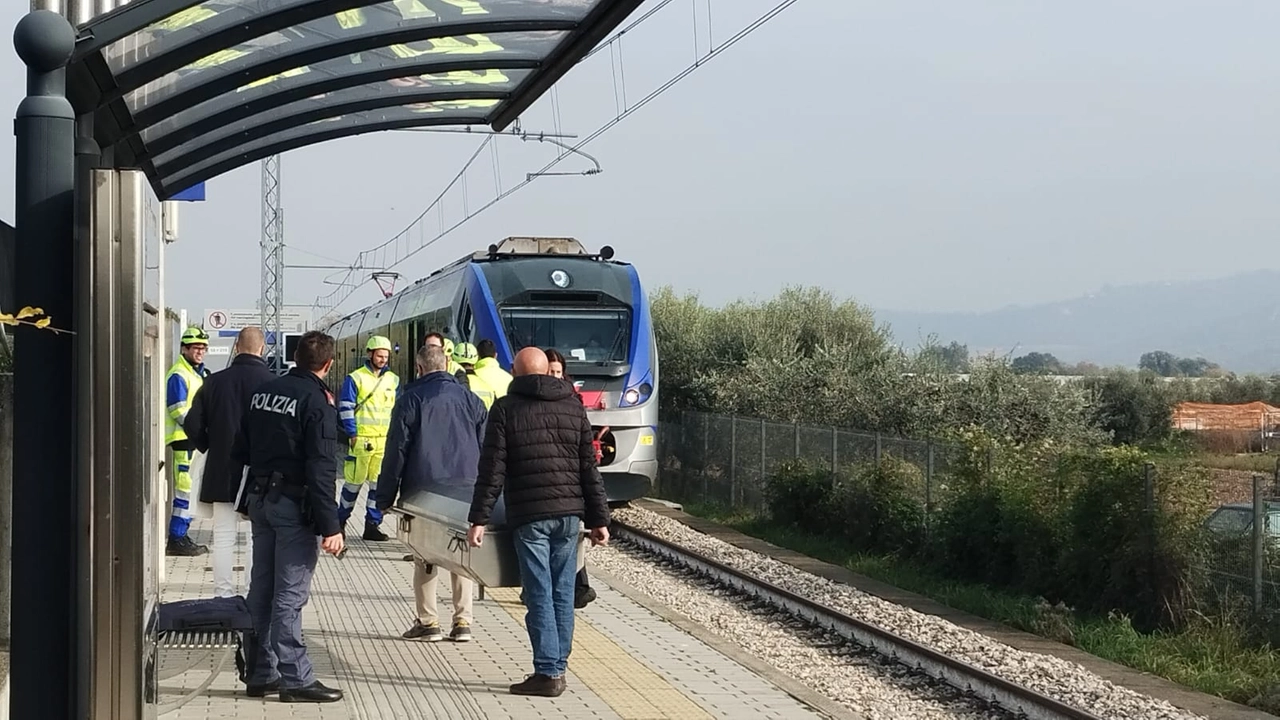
(488, 368)
(364, 409)
(465, 355)
(180, 386)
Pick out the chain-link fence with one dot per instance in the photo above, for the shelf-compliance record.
(727, 462)
(1244, 546)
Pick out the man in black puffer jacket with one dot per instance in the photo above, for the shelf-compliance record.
(538, 455)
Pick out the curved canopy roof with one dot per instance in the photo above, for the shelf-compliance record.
(189, 89)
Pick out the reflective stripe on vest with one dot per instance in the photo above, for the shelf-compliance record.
(173, 432)
(482, 389)
(492, 373)
(374, 401)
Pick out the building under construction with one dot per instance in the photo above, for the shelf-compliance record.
(1241, 428)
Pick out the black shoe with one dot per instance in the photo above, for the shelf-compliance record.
(423, 633)
(461, 632)
(262, 690)
(184, 547)
(316, 692)
(540, 685)
(583, 597)
(373, 534)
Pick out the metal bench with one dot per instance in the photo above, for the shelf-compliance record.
(212, 625)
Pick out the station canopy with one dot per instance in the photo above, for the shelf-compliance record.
(187, 90)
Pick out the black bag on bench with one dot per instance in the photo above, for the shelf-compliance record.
(211, 615)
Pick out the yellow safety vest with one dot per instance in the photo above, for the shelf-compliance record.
(176, 413)
(482, 389)
(493, 374)
(453, 367)
(375, 396)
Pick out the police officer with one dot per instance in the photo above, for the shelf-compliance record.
(180, 387)
(289, 441)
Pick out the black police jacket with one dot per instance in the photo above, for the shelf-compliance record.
(291, 427)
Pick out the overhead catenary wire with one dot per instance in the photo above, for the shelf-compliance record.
(331, 301)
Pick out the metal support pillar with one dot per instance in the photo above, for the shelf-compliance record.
(87, 155)
(272, 301)
(44, 683)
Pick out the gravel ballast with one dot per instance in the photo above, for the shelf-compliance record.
(885, 692)
(857, 680)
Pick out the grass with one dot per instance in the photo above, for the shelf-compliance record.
(1212, 657)
(1264, 463)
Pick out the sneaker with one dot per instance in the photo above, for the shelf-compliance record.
(583, 597)
(540, 685)
(184, 547)
(461, 632)
(373, 534)
(423, 633)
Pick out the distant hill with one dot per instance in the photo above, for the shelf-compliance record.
(1233, 321)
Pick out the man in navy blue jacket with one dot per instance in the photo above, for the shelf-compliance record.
(437, 427)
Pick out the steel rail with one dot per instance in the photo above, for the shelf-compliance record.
(1010, 696)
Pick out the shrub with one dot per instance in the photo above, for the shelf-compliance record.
(799, 495)
(1133, 407)
(1001, 524)
(1126, 555)
(880, 507)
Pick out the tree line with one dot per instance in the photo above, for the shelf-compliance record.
(1045, 473)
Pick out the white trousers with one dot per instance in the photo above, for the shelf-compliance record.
(226, 532)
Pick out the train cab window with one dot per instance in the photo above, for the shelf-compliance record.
(595, 335)
(467, 323)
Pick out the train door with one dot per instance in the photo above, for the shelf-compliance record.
(417, 333)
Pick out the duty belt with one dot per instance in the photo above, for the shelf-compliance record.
(273, 485)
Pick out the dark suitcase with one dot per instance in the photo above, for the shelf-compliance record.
(211, 615)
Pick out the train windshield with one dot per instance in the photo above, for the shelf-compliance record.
(595, 335)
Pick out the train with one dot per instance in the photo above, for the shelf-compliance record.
(549, 293)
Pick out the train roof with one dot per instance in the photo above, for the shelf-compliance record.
(508, 249)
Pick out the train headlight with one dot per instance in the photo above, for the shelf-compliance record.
(631, 396)
(560, 278)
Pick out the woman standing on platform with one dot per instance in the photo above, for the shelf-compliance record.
(582, 592)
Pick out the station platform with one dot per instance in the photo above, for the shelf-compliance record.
(628, 663)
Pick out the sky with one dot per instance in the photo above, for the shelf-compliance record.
(921, 155)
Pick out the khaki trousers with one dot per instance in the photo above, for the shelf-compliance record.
(424, 592)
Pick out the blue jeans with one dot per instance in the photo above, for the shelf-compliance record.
(548, 555)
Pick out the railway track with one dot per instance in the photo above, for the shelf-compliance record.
(1009, 696)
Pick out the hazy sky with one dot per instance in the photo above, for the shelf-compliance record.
(915, 155)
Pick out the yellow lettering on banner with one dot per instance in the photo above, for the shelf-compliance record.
(468, 77)
(278, 76)
(442, 105)
(479, 45)
(468, 7)
(349, 19)
(218, 58)
(413, 9)
(185, 18)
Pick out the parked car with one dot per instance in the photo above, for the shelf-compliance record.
(1236, 519)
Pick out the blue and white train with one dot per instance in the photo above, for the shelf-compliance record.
(548, 293)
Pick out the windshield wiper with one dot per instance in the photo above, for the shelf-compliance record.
(617, 338)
